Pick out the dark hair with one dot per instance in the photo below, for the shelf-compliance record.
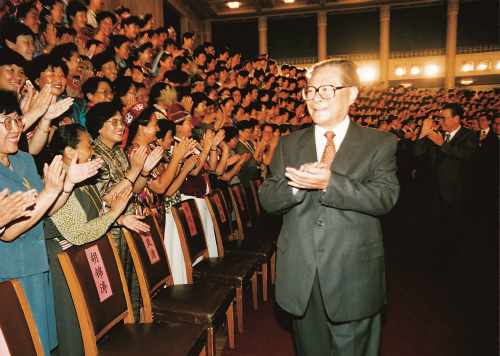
(92, 42)
(9, 57)
(9, 102)
(72, 8)
(144, 47)
(98, 115)
(12, 30)
(142, 120)
(198, 50)
(91, 85)
(65, 136)
(64, 50)
(101, 59)
(187, 35)
(104, 15)
(144, 20)
(244, 125)
(165, 126)
(154, 94)
(130, 20)
(198, 98)
(40, 64)
(117, 41)
(121, 86)
(121, 9)
(23, 9)
(455, 109)
(230, 133)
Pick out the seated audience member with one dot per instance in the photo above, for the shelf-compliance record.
(97, 90)
(23, 254)
(121, 47)
(19, 38)
(68, 53)
(105, 63)
(76, 13)
(105, 22)
(80, 220)
(106, 126)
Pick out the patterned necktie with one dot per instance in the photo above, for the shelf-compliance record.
(329, 153)
(447, 138)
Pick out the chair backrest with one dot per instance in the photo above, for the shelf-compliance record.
(220, 218)
(97, 284)
(150, 261)
(254, 187)
(190, 228)
(18, 333)
(241, 209)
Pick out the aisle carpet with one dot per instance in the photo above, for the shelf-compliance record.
(431, 311)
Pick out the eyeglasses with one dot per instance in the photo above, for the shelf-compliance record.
(9, 122)
(324, 91)
(105, 92)
(116, 122)
(134, 93)
(79, 60)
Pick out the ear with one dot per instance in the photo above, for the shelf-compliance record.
(11, 45)
(69, 152)
(353, 94)
(37, 81)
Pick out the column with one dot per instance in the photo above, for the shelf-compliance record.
(185, 27)
(322, 36)
(451, 44)
(385, 18)
(262, 34)
(207, 31)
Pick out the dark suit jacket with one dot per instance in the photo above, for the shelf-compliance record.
(335, 232)
(448, 163)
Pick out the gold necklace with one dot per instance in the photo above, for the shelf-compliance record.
(248, 146)
(111, 158)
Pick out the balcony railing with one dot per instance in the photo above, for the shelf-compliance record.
(392, 55)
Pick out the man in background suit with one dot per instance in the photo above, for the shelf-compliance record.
(330, 261)
(447, 156)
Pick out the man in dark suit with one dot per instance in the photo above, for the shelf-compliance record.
(330, 261)
(446, 154)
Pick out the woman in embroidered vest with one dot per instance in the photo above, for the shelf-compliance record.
(23, 254)
(105, 125)
(143, 136)
(82, 219)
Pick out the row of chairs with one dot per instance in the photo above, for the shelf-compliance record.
(184, 316)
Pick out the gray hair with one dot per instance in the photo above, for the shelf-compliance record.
(348, 70)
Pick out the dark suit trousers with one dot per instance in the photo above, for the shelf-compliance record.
(316, 335)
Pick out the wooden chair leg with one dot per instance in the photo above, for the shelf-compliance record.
(210, 342)
(239, 309)
(273, 268)
(264, 282)
(254, 292)
(230, 325)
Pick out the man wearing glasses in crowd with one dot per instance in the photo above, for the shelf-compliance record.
(331, 181)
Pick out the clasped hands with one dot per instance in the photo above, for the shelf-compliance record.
(314, 175)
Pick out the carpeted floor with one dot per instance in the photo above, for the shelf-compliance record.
(431, 310)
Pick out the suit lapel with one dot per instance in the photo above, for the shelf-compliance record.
(347, 149)
(307, 147)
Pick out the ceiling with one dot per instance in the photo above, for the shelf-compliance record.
(218, 9)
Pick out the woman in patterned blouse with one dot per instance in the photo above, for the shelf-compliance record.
(82, 219)
(105, 124)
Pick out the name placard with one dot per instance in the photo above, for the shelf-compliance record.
(220, 209)
(189, 218)
(99, 273)
(150, 247)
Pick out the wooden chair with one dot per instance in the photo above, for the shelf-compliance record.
(18, 333)
(244, 223)
(97, 284)
(264, 251)
(207, 304)
(235, 271)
